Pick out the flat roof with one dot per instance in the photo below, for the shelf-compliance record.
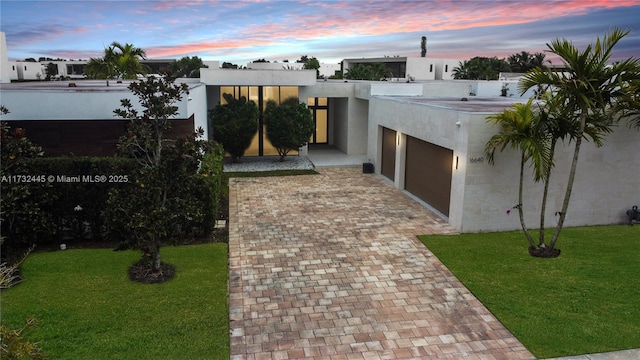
(473, 104)
(82, 85)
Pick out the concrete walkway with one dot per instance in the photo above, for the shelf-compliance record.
(328, 267)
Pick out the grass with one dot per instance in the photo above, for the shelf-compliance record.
(87, 308)
(585, 301)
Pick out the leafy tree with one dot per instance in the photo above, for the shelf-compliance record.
(187, 67)
(524, 61)
(50, 70)
(158, 202)
(521, 128)
(591, 93)
(228, 65)
(312, 64)
(480, 68)
(289, 125)
(234, 124)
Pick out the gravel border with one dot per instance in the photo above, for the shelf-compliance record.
(268, 163)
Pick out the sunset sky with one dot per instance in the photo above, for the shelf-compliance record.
(241, 31)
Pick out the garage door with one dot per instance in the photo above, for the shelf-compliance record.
(388, 167)
(428, 173)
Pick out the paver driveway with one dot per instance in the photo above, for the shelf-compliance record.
(328, 267)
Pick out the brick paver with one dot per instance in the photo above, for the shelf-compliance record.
(328, 267)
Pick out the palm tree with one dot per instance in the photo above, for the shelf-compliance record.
(127, 59)
(461, 71)
(524, 61)
(100, 68)
(378, 71)
(521, 128)
(588, 90)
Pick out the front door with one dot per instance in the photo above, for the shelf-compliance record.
(320, 109)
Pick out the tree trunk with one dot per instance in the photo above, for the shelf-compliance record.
(543, 207)
(155, 256)
(572, 175)
(520, 210)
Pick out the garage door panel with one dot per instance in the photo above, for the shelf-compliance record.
(428, 173)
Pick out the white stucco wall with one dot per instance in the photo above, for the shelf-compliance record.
(234, 77)
(358, 114)
(196, 102)
(91, 99)
(444, 68)
(420, 68)
(605, 187)
(5, 68)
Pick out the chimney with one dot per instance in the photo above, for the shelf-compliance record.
(424, 46)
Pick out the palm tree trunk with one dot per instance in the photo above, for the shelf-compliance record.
(572, 175)
(520, 210)
(543, 207)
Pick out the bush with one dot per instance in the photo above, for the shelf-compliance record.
(26, 199)
(77, 208)
(234, 124)
(14, 346)
(212, 175)
(189, 212)
(289, 125)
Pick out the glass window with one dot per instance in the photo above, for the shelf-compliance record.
(226, 90)
(288, 91)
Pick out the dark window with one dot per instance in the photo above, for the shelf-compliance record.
(430, 67)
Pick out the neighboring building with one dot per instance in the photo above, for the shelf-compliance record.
(426, 136)
(326, 70)
(409, 68)
(5, 67)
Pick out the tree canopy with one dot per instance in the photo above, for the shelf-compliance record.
(289, 125)
(187, 67)
(118, 61)
(234, 124)
(583, 102)
(524, 61)
(374, 72)
(481, 68)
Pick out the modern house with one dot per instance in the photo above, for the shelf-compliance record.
(409, 68)
(425, 136)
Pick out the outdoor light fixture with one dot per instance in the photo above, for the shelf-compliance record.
(458, 123)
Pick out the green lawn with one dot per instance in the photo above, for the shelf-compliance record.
(585, 301)
(88, 309)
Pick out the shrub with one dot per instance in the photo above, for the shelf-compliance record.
(14, 346)
(77, 208)
(25, 201)
(212, 175)
(234, 124)
(289, 125)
